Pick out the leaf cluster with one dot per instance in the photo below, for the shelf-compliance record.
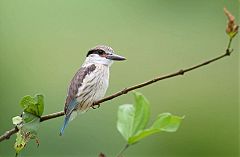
(29, 121)
(133, 119)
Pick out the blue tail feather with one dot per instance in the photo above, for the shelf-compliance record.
(71, 106)
(66, 121)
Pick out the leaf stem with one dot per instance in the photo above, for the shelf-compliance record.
(122, 150)
(229, 43)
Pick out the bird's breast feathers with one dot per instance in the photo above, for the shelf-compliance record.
(95, 83)
(88, 85)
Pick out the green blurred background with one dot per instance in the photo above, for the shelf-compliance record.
(43, 43)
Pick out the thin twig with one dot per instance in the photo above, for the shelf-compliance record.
(8, 133)
(122, 150)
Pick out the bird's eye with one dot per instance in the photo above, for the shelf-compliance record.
(101, 52)
(96, 51)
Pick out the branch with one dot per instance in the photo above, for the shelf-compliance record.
(228, 52)
(8, 134)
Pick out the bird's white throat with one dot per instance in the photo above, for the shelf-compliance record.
(96, 59)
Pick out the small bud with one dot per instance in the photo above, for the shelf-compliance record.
(232, 28)
(102, 155)
(17, 120)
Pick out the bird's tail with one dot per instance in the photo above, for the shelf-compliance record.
(70, 108)
(71, 114)
(69, 118)
(66, 121)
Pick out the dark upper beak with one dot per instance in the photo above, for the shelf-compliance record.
(115, 57)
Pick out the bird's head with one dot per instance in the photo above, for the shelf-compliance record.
(102, 54)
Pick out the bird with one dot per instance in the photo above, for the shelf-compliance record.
(90, 82)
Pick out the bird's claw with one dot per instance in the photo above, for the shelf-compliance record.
(97, 106)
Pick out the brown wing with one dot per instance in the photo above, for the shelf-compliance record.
(76, 82)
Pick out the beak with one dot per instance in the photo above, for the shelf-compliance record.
(115, 57)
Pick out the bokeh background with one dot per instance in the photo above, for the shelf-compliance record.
(43, 43)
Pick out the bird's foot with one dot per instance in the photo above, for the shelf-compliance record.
(95, 106)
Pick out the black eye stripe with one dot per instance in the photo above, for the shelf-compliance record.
(96, 51)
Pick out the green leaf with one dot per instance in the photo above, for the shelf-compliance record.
(133, 118)
(141, 134)
(20, 143)
(34, 105)
(167, 122)
(125, 119)
(142, 113)
(29, 121)
(31, 124)
(27, 131)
